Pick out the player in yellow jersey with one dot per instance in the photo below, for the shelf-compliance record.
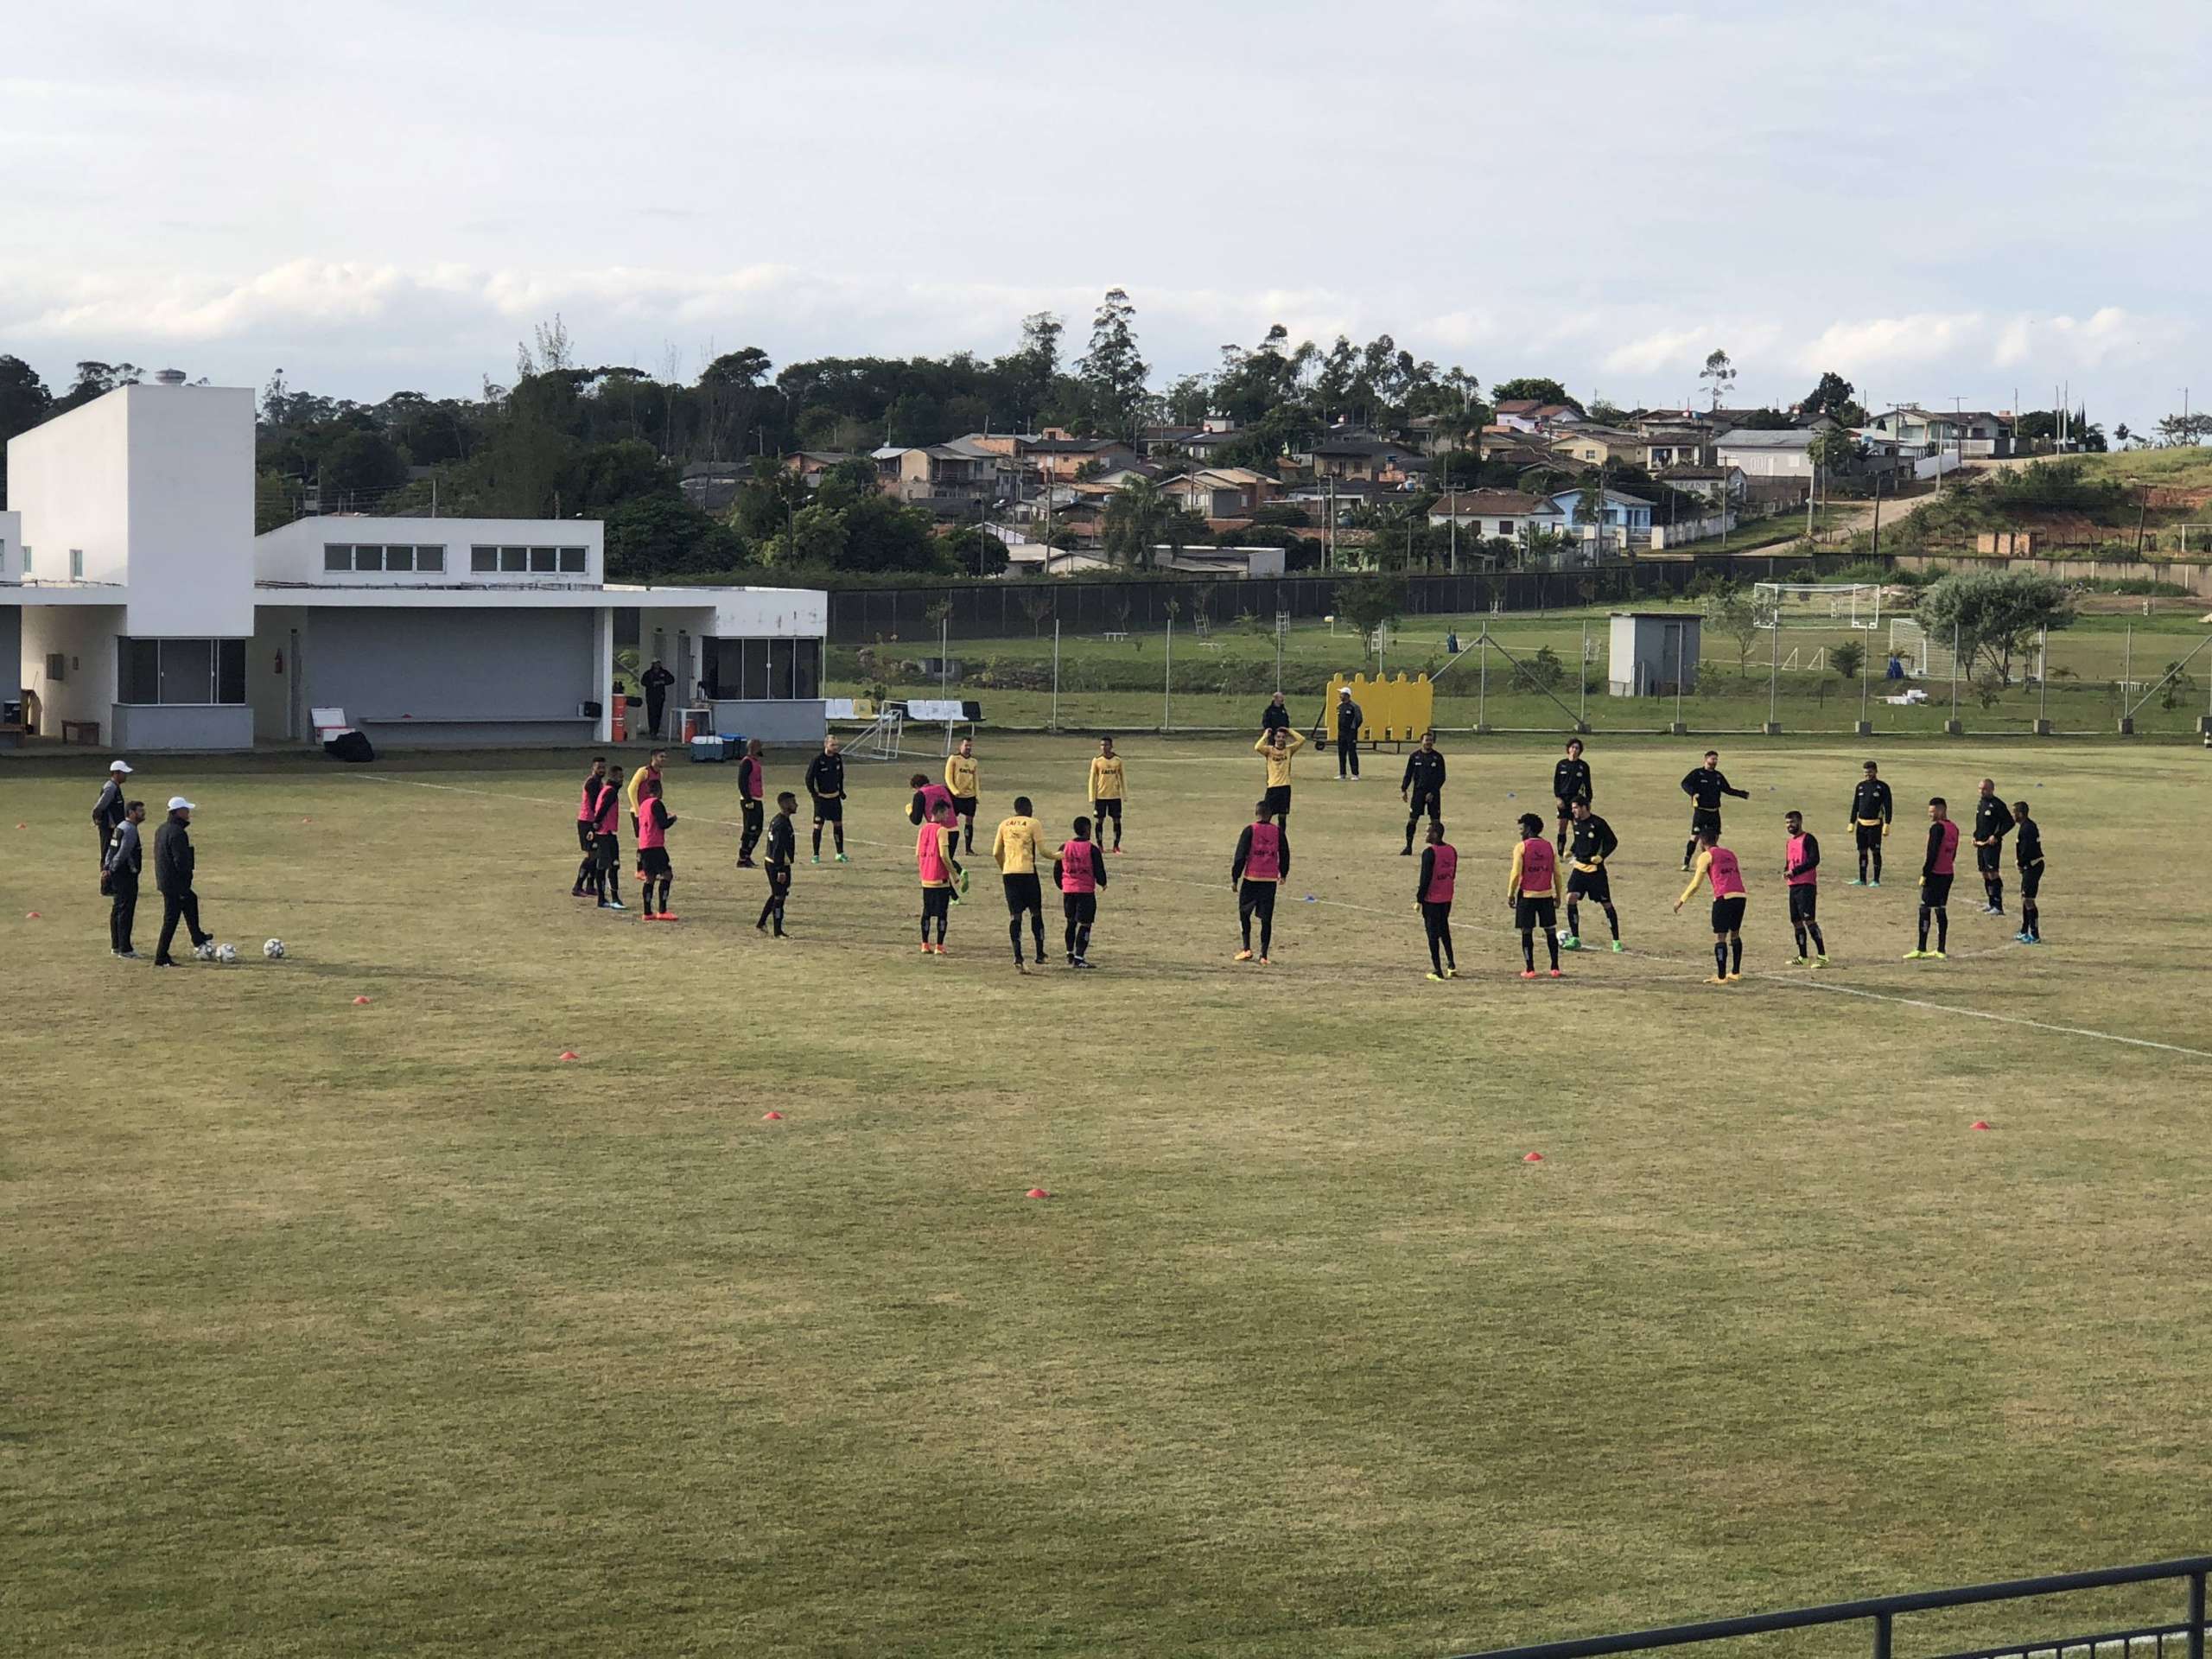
(962, 776)
(1279, 747)
(1014, 849)
(1108, 789)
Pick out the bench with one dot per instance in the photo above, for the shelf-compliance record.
(85, 732)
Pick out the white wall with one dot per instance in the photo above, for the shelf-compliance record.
(191, 476)
(68, 479)
(293, 551)
(85, 635)
(1768, 463)
(11, 547)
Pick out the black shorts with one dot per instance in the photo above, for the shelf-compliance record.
(1430, 801)
(583, 835)
(606, 852)
(1704, 820)
(779, 878)
(1104, 810)
(1567, 804)
(1023, 892)
(1080, 907)
(1804, 902)
(1594, 884)
(1536, 912)
(1990, 860)
(1870, 837)
(829, 809)
(965, 805)
(653, 861)
(1728, 914)
(2030, 879)
(1277, 799)
(1934, 891)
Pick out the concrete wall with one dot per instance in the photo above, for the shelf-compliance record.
(191, 491)
(11, 547)
(294, 552)
(183, 726)
(85, 635)
(270, 688)
(68, 479)
(440, 676)
(774, 722)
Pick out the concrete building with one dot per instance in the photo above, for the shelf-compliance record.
(1783, 454)
(1652, 653)
(151, 617)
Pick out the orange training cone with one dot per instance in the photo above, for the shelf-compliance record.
(1036, 1193)
(1978, 1123)
(771, 1117)
(360, 1001)
(30, 915)
(1534, 1157)
(570, 1054)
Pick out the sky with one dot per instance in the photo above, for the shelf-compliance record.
(1967, 202)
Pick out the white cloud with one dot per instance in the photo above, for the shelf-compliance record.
(1884, 343)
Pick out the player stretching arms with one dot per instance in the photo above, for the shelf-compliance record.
(1717, 864)
(783, 853)
(1533, 891)
(1570, 784)
(1280, 746)
(939, 871)
(1262, 860)
(1108, 788)
(1992, 821)
(1439, 865)
(928, 797)
(1078, 872)
(1935, 871)
(1871, 807)
(1800, 871)
(2027, 847)
(1705, 785)
(964, 779)
(1014, 849)
(1422, 787)
(825, 783)
(1594, 841)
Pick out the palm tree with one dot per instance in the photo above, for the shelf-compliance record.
(1135, 516)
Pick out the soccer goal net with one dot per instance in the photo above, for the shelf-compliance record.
(1818, 604)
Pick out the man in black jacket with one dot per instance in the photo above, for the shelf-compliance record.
(107, 811)
(1277, 713)
(1349, 720)
(1570, 784)
(1422, 787)
(1871, 811)
(655, 680)
(1705, 785)
(126, 856)
(825, 784)
(174, 862)
(1992, 821)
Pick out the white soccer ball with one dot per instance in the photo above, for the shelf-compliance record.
(226, 953)
(274, 949)
(206, 953)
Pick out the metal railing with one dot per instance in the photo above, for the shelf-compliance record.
(2170, 1641)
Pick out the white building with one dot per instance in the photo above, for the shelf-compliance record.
(147, 615)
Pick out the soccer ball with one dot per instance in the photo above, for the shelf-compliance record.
(274, 949)
(226, 953)
(206, 953)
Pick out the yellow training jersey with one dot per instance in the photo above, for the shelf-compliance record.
(1015, 845)
(1106, 782)
(961, 773)
(1278, 759)
(637, 782)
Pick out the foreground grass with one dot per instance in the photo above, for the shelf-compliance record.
(377, 1329)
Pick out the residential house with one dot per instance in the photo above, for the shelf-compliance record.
(1488, 515)
(1931, 432)
(951, 482)
(1221, 491)
(810, 464)
(1675, 445)
(1587, 444)
(1713, 483)
(1786, 454)
(1623, 520)
(1367, 460)
(1534, 415)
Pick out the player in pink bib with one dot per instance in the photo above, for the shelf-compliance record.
(1716, 865)
(1801, 872)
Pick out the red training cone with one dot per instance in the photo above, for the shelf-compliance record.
(570, 1054)
(1978, 1123)
(771, 1117)
(359, 1002)
(1036, 1193)
(30, 915)
(1534, 1157)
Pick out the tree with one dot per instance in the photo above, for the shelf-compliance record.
(362, 463)
(1113, 373)
(1848, 659)
(2185, 430)
(1997, 615)
(1541, 672)
(1135, 519)
(666, 535)
(1835, 451)
(976, 552)
(1830, 396)
(1037, 604)
(95, 379)
(1371, 599)
(1719, 374)
(1544, 391)
(1730, 609)
(24, 402)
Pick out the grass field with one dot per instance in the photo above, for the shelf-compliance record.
(1223, 682)
(352, 1330)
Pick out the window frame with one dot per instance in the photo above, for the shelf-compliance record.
(142, 665)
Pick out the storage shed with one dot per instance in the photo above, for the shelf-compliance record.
(1653, 653)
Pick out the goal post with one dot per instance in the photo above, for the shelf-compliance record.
(1829, 605)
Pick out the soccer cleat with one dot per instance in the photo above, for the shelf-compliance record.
(745, 864)
(613, 903)
(128, 956)
(1080, 962)
(842, 858)
(1717, 979)
(1937, 956)
(1619, 947)
(1528, 973)
(1819, 962)
(1021, 967)
(926, 950)
(1262, 962)
(817, 858)
(1917, 956)
(941, 952)
(1876, 882)
(1732, 978)
(576, 893)
(1439, 978)
(1557, 974)
(1856, 882)
(1451, 972)
(2032, 938)
(1243, 956)
(1801, 961)
(1405, 852)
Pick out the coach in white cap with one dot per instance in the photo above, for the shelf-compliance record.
(107, 811)
(172, 866)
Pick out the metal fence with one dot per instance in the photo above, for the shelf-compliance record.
(2182, 1638)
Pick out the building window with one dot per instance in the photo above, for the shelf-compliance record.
(542, 560)
(26, 558)
(399, 558)
(481, 559)
(430, 558)
(368, 558)
(336, 556)
(179, 671)
(514, 561)
(757, 670)
(572, 561)
(76, 564)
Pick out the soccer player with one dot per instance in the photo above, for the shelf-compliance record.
(1716, 864)
(1280, 747)
(1871, 808)
(1348, 720)
(783, 853)
(1533, 889)
(1078, 872)
(126, 856)
(1439, 864)
(2027, 848)
(964, 779)
(1570, 784)
(1801, 873)
(586, 815)
(1936, 867)
(1261, 861)
(174, 864)
(1015, 850)
(108, 811)
(636, 789)
(654, 821)
(1107, 788)
(928, 797)
(1422, 787)
(1586, 876)
(607, 844)
(1992, 821)
(752, 797)
(940, 871)
(825, 784)
(1705, 785)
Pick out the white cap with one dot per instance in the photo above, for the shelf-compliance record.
(123, 767)
(1344, 690)
(178, 804)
